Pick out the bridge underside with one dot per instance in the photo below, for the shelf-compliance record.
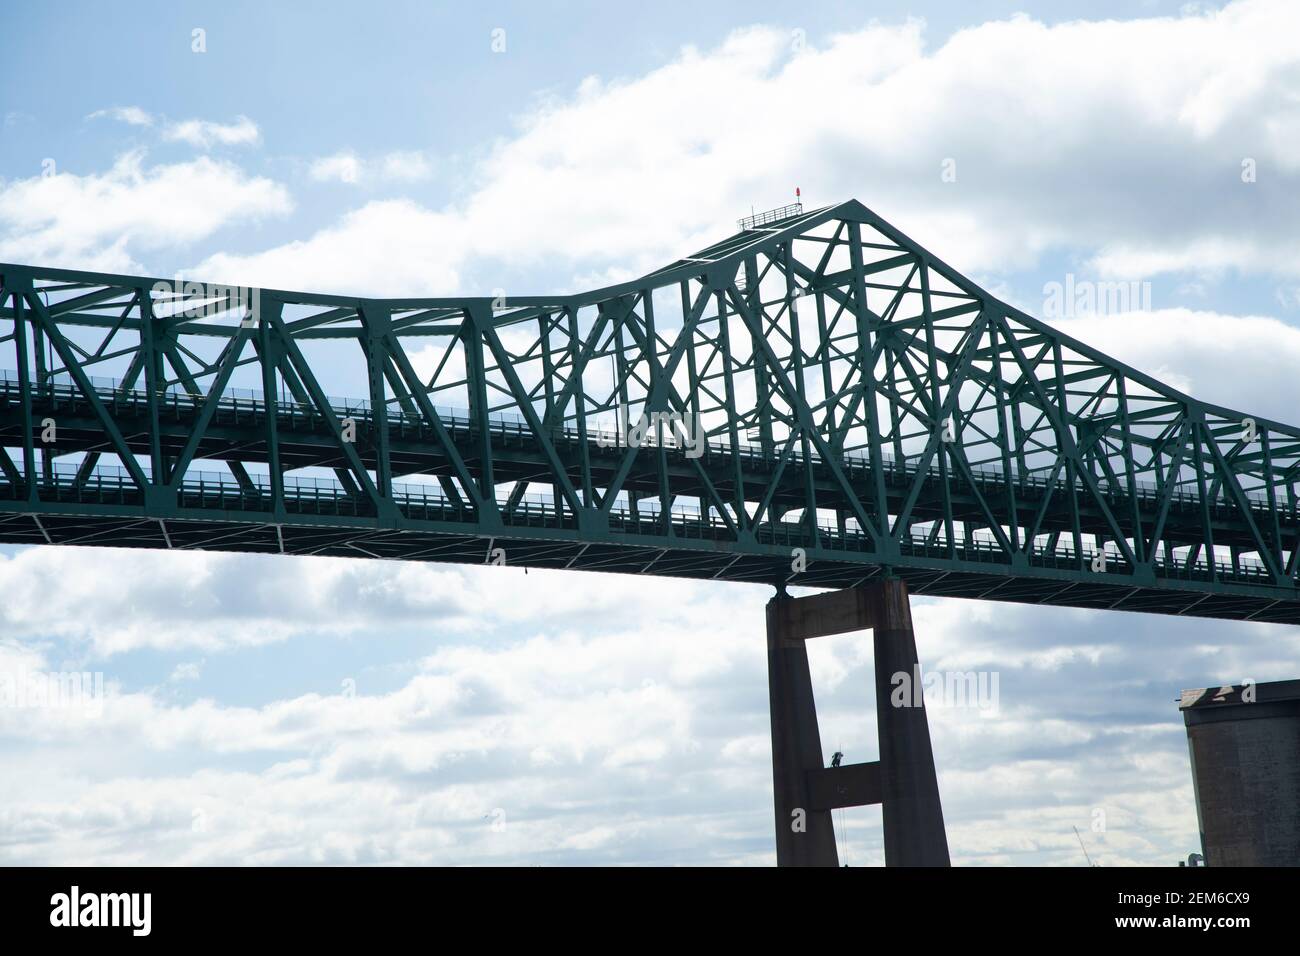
(816, 400)
(682, 557)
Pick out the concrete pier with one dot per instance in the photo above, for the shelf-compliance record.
(903, 781)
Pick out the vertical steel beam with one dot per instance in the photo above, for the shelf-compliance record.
(1004, 443)
(1130, 476)
(270, 355)
(378, 323)
(936, 410)
(692, 372)
(577, 362)
(1207, 525)
(661, 456)
(762, 385)
(549, 419)
(25, 393)
(154, 384)
(733, 420)
(477, 392)
(792, 295)
(867, 356)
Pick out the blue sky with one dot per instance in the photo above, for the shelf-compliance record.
(393, 152)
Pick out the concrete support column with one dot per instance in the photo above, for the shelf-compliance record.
(903, 781)
(804, 836)
(913, 816)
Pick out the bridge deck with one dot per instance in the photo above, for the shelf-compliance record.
(213, 510)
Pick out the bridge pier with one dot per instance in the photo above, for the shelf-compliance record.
(796, 748)
(903, 781)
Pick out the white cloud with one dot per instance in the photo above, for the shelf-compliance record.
(1111, 136)
(205, 133)
(404, 166)
(341, 167)
(131, 115)
(189, 670)
(635, 738)
(1102, 138)
(560, 729)
(1245, 363)
(206, 601)
(379, 249)
(99, 220)
(181, 600)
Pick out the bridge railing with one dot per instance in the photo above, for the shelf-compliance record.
(770, 216)
(61, 387)
(112, 484)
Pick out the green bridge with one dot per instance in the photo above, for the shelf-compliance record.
(816, 400)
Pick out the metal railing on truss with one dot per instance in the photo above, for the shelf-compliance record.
(772, 215)
(423, 500)
(501, 422)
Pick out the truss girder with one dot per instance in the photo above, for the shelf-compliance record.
(822, 384)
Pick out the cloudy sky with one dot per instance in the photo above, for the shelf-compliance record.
(277, 710)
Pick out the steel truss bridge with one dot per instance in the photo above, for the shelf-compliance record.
(858, 399)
